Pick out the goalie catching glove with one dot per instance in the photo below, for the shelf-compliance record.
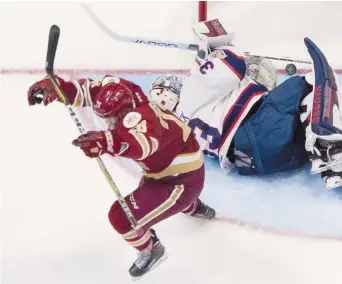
(96, 143)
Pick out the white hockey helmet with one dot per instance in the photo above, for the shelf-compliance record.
(165, 91)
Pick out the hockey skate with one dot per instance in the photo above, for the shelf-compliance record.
(327, 155)
(204, 212)
(333, 177)
(148, 259)
(324, 134)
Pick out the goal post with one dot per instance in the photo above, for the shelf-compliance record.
(202, 11)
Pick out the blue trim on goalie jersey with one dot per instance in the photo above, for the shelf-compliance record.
(211, 155)
(206, 130)
(235, 62)
(239, 107)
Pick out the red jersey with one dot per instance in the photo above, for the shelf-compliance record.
(160, 142)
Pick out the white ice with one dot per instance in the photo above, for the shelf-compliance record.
(54, 201)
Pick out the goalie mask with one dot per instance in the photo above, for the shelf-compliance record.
(113, 102)
(165, 92)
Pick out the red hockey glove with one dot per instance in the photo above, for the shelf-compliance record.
(95, 143)
(43, 91)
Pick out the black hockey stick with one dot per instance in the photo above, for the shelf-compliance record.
(50, 59)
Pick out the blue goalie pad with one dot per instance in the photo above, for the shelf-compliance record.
(325, 93)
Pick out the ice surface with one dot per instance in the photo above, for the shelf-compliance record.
(54, 226)
(54, 201)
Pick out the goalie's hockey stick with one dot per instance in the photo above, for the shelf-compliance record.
(163, 43)
(139, 40)
(50, 58)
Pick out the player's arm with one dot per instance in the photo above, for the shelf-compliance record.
(137, 137)
(80, 93)
(137, 143)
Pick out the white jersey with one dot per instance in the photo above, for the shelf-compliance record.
(216, 96)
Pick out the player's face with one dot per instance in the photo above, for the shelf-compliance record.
(165, 99)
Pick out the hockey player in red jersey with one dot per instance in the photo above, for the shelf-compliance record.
(157, 140)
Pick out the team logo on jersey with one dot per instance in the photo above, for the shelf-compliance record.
(133, 201)
(218, 54)
(132, 119)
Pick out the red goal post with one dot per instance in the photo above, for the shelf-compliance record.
(202, 11)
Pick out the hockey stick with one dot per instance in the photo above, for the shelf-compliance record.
(50, 59)
(139, 40)
(279, 58)
(163, 43)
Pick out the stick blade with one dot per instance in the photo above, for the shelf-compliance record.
(52, 47)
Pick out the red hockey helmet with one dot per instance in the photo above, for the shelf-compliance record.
(114, 100)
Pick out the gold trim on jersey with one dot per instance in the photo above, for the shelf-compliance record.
(143, 142)
(181, 164)
(79, 98)
(166, 205)
(155, 145)
(140, 241)
(164, 116)
(86, 91)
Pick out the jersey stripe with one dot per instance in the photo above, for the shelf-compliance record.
(181, 164)
(155, 145)
(166, 205)
(237, 110)
(235, 62)
(143, 142)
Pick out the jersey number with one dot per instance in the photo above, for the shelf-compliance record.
(210, 134)
(206, 66)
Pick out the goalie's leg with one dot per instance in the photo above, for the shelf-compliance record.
(324, 130)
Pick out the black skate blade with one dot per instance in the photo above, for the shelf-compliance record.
(201, 218)
(154, 265)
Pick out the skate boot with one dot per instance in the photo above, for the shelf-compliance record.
(204, 212)
(327, 154)
(149, 258)
(333, 177)
(324, 131)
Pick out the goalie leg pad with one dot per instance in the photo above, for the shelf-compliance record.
(324, 119)
(324, 131)
(272, 139)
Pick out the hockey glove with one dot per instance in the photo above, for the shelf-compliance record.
(95, 143)
(43, 91)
